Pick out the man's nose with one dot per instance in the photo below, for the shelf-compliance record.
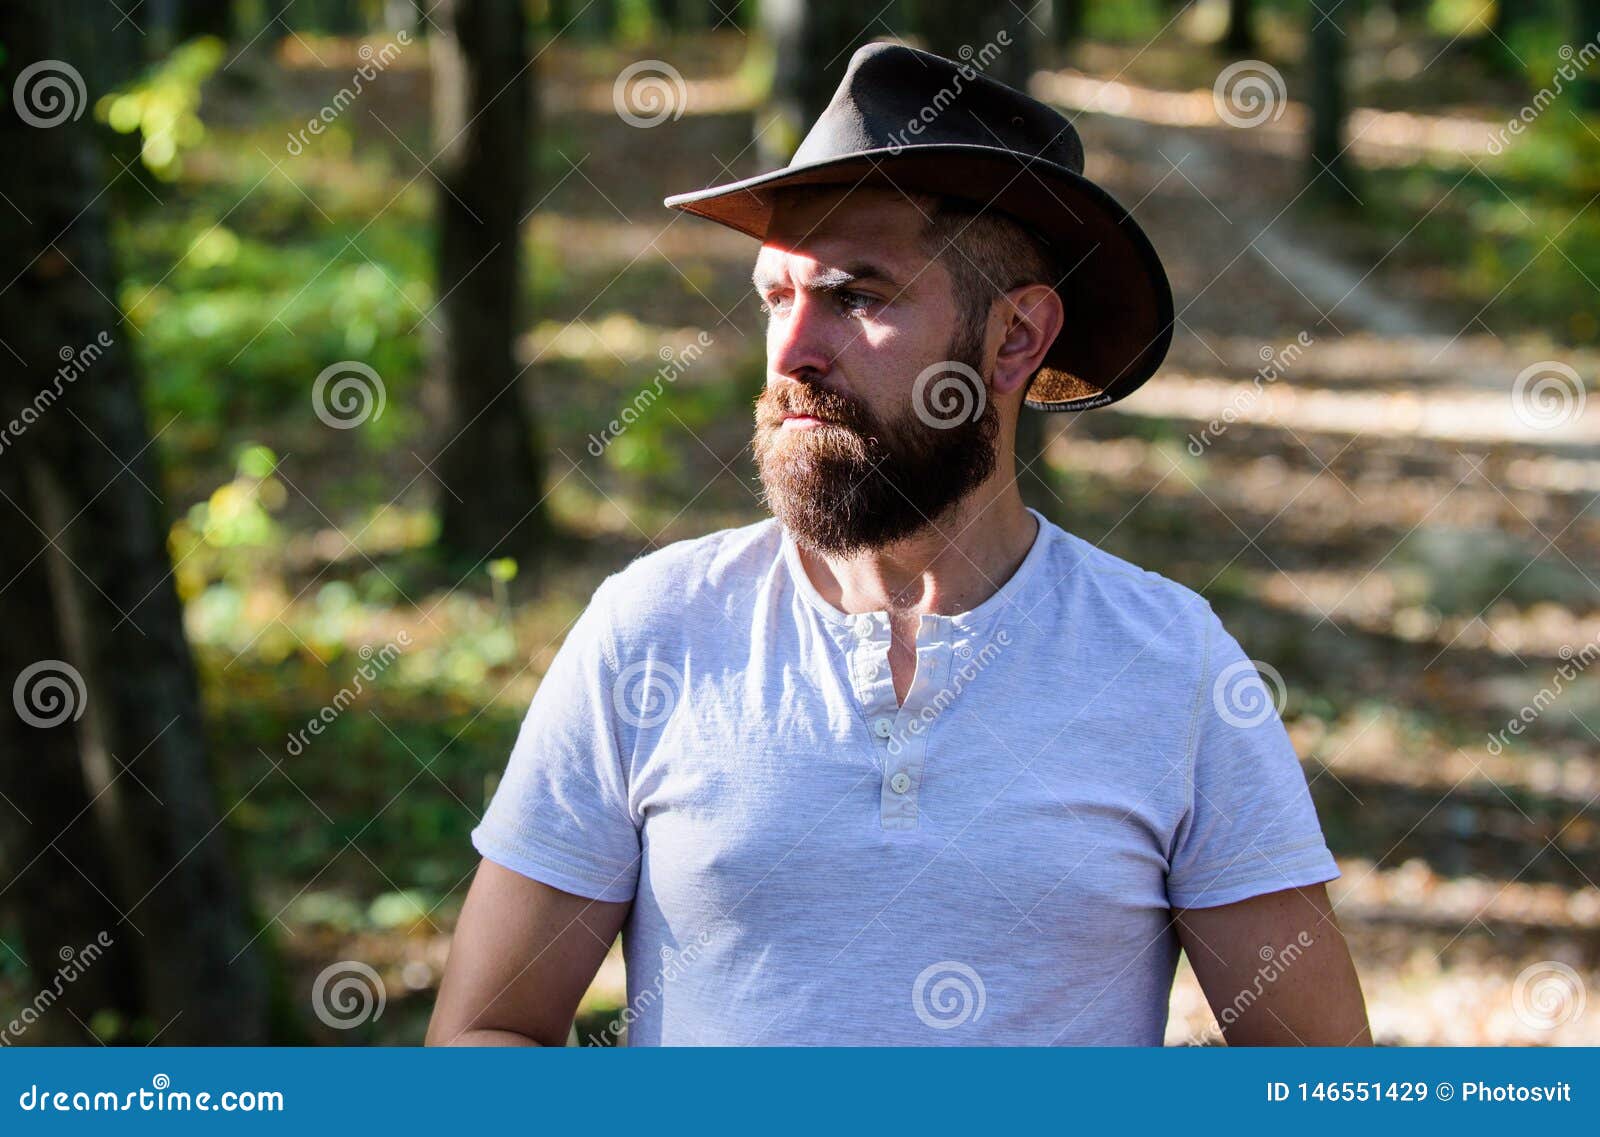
(799, 341)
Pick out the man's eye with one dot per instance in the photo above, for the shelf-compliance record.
(850, 303)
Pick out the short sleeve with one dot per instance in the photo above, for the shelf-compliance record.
(560, 814)
(1251, 827)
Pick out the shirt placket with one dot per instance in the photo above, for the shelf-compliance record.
(899, 733)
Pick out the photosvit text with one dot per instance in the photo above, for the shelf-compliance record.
(1416, 1092)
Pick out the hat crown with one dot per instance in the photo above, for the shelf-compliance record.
(898, 98)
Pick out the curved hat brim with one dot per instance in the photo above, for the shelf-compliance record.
(1119, 313)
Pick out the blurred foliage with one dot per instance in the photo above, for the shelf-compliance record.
(163, 107)
(244, 290)
(1126, 20)
(1512, 232)
(213, 540)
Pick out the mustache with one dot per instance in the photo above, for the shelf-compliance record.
(775, 403)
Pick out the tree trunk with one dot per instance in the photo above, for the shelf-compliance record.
(1066, 24)
(205, 18)
(996, 40)
(1014, 64)
(491, 470)
(811, 42)
(1505, 20)
(403, 16)
(1586, 14)
(596, 20)
(1240, 38)
(51, 844)
(83, 475)
(1328, 169)
(158, 20)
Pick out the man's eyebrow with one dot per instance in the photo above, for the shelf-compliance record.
(834, 279)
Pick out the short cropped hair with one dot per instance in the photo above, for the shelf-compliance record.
(986, 252)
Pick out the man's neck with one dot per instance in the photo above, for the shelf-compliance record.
(950, 566)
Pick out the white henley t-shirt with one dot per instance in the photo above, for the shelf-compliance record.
(993, 863)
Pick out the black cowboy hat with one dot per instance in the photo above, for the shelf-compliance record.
(925, 124)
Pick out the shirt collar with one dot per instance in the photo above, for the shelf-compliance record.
(1009, 595)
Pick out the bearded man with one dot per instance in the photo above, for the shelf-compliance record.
(908, 763)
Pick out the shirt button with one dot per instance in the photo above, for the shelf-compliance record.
(863, 625)
(900, 783)
(883, 727)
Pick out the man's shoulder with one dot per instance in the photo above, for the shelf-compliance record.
(1136, 594)
(668, 585)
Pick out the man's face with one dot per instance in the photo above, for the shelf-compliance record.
(876, 416)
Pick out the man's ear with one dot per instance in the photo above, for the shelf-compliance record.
(1031, 316)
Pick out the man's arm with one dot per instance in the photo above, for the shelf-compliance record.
(1314, 998)
(522, 957)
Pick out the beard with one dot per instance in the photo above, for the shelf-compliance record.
(858, 482)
